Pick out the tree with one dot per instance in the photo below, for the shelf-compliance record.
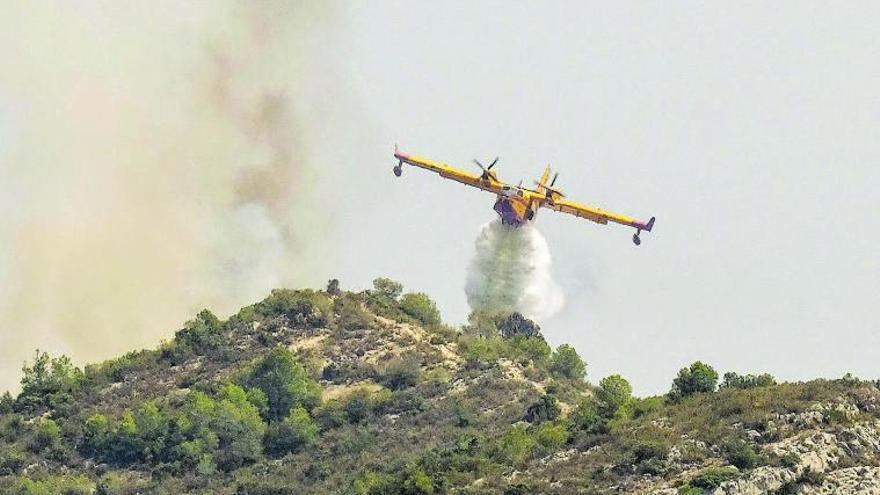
(516, 324)
(388, 288)
(48, 383)
(295, 432)
(586, 418)
(285, 382)
(6, 403)
(566, 363)
(735, 380)
(202, 334)
(333, 287)
(545, 409)
(698, 378)
(613, 393)
(420, 307)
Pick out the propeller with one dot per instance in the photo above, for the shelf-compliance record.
(551, 189)
(486, 169)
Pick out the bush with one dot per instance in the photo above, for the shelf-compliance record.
(481, 352)
(698, 378)
(741, 454)
(566, 363)
(46, 436)
(734, 380)
(6, 403)
(420, 307)
(295, 432)
(401, 372)
(11, 462)
(358, 406)
(482, 323)
(534, 349)
(330, 414)
(713, 477)
(515, 446)
(301, 307)
(614, 392)
(351, 316)
(284, 381)
(545, 409)
(586, 418)
(550, 436)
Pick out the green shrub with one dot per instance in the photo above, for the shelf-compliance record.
(295, 432)
(6, 403)
(481, 352)
(566, 363)
(713, 477)
(361, 403)
(741, 454)
(550, 436)
(515, 446)
(698, 378)
(687, 489)
(302, 307)
(11, 461)
(419, 306)
(351, 316)
(46, 435)
(330, 414)
(284, 381)
(482, 323)
(534, 349)
(53, 485)
(401, 372)
(586, 418)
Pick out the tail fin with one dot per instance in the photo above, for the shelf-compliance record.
(546, 176)
(648, 226)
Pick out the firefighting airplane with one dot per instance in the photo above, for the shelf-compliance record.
(517, 205)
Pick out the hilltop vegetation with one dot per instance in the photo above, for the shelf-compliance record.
(370, 393)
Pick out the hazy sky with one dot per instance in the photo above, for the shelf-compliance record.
(750, 130)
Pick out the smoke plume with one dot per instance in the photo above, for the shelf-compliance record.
(151, 163)
(511, 272)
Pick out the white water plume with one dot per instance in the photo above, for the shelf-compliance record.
(511, 271)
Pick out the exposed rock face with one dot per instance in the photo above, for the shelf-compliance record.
(827, 459)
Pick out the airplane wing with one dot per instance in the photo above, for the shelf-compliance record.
(597, 215)
(486, 182)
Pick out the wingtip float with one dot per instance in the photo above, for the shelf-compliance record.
(515, 204)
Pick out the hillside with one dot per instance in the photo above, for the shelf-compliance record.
(316, 392)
